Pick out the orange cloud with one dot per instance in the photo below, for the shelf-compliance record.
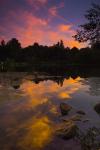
(71, 43)
(64, 28)
(35, 29)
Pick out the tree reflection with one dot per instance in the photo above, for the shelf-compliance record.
(15, 79)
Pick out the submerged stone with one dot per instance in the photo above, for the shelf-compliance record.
(97, 108)
(80, 112)
(68, 130)
(86, 120)
(65, 108)
(74, 118)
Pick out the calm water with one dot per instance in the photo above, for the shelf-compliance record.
(30, 109)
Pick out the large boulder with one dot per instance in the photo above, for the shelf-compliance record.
(97, 108)
(65, 108)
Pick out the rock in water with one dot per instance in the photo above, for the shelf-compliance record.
(65, 108)
(74, 118)
(68, 130)
(97, 108)
(80, 112)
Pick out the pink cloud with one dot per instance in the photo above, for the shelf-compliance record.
(29, 29)
(37, 1)
(37, 4)
(53, 11)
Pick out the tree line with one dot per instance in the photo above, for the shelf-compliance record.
(12, 51)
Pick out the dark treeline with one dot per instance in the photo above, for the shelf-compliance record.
(12, 52)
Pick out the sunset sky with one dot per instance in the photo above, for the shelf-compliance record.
(43, 21)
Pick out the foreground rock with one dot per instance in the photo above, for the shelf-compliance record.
(86, 120)
(80, 112)
(65, 108)
(74, 118)
(67, 130)
(97, 108)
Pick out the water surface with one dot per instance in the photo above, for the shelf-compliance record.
(30, 109)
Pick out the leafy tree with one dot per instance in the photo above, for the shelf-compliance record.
(90, 31)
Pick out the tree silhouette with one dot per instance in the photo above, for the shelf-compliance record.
(13, 44)
(90, 31)
(11, 54)
(59, 44)
(3, 43)
(13, 49)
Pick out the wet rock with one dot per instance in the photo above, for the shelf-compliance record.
(74, 118)
(65, 108)
(80, 112)
(86, 120)
(68, 130)
(97, 108)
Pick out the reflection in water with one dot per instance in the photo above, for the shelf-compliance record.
(94, 85)
(29, 110)
(39, 93)
(39, 134)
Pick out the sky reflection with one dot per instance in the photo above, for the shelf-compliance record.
(30, 114)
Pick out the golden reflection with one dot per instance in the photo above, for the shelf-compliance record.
(70, 86)
(30, 115)
(54, 109)
(39, 134)
(34, 93)
(43, 92)
(64, 95)
(67, 93)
